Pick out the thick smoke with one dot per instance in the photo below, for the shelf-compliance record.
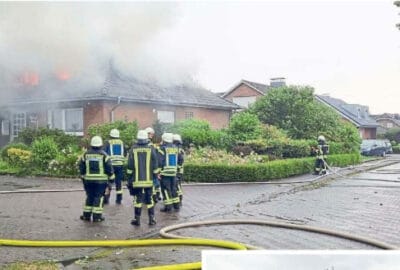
(75, 41)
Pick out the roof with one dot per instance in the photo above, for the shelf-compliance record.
(358, 114)
(129, 89)
(259, 87)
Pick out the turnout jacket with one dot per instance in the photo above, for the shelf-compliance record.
(170, 158)
(95, 166)
(142, 166)
(116, 150)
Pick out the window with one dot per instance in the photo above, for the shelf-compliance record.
(69, 120)
(166, 117)
(5, 127)
(18, 124)
(188, 115)
(389, 125)
(244, 101)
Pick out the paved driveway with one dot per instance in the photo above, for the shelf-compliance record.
(365, 204)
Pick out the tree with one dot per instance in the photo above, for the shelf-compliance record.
(295, 110)
(244, 126)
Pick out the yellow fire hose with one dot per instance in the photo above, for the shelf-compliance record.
(131, 243)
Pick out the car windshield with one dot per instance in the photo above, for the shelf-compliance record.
(368, 143)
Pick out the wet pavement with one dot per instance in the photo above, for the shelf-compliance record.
(364, 203)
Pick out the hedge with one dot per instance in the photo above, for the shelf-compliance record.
(263, 171)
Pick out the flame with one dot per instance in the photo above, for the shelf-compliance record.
(30, 78)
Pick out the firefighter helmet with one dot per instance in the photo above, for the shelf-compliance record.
(167, 137)
(177, 137)
(149, 130)
(321, 138)
(142, 135)
(114, 133)
(96, 141)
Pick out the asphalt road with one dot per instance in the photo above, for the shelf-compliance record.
(364, 203)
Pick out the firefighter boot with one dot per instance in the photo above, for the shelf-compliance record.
(167, 208)
(136, 220)
(176, 206)
(85, 216)
(152, 219)
(118, 199)
(98, 218)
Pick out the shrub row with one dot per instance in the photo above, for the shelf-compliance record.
(261, 172)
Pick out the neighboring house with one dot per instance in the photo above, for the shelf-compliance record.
(246, 92)
(354, 113)
(72, 107)
(387, 121)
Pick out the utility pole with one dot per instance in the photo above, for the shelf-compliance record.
(397, 3)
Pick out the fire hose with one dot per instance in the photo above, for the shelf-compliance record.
(179, 240)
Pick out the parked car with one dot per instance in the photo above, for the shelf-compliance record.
(376, 148)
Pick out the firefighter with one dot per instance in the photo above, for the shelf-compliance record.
(177, 140)
(156, 181)
(114, 147)
(142, 168)
(96, 171)
(170, 159)
(321, 152)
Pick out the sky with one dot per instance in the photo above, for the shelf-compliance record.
(348, 49)
(300, 260)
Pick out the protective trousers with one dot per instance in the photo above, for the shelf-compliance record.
(143, 196)
(179, 190)
(169, 193)
(119, 176)
(320, 167)
(94, 199)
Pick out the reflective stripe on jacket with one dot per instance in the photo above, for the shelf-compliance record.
(95, 165)
(142, 165)
(115, 149)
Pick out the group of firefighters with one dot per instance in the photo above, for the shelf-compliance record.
(153, 172)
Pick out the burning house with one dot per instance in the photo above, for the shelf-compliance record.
(70, 106)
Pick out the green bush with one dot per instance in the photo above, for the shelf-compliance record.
(127, 131)
(396, 149)
(43, 151)
(218, 172)
(4, 150)
(193, 131)
(19, 157)
(244, 126)
(64, 165)
(29, 135)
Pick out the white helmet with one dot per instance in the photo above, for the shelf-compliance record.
(321, 138)
(114, 133)
(149, 130)
(177, 137)
(167, 137)
(142, 135)
(96, 141)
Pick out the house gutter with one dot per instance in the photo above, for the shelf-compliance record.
(113, 109)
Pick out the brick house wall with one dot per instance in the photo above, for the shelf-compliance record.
(146, 115)
(368, 133)
(243, 90)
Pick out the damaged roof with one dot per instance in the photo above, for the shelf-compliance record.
(119, 86)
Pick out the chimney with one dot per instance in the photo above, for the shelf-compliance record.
(278, 82)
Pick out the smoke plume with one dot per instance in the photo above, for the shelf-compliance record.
(75, 41)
